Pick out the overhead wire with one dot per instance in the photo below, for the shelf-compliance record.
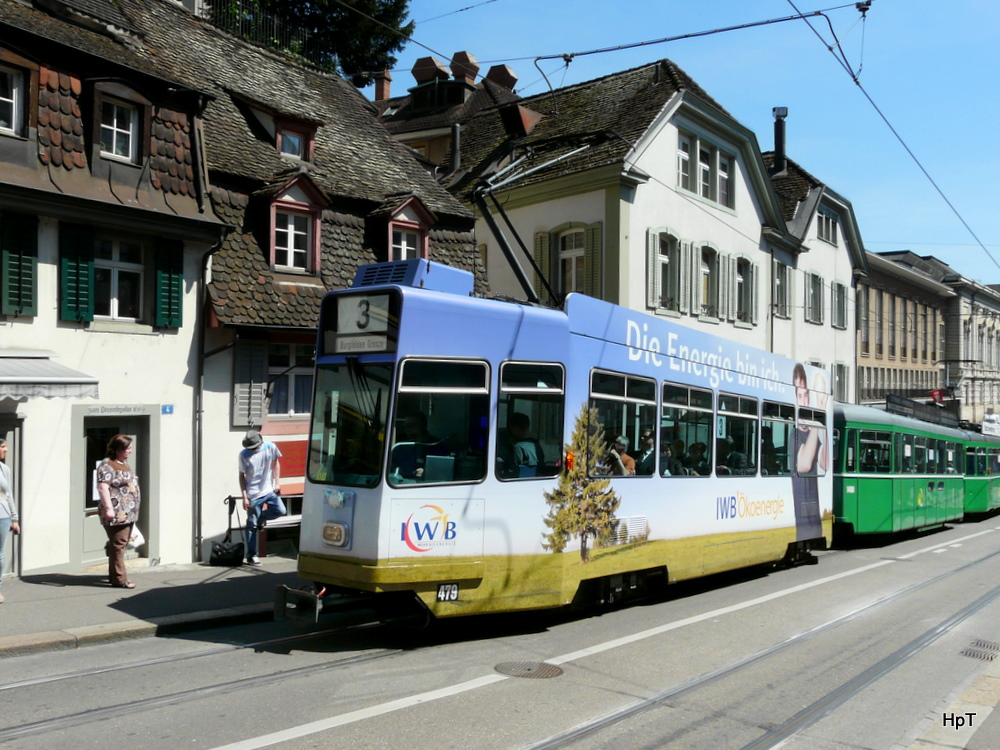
(840, 56)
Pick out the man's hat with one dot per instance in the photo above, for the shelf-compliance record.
(252, 440)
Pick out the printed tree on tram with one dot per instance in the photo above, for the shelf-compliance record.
(582, 506)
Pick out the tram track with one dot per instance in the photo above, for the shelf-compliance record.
(75, 720)
(818, 709)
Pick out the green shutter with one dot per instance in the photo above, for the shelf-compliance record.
(76, 273)
(19, 240)
(169, 283)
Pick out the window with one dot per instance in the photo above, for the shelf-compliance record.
(11, 100)
(120, 278)
(625, 406)
(441, 425)
(709, 282)
(826, 227)
(686, 426)
(571, 261)
(295, 226)
(664, 272)
(714, 178)
(405, 244)
(875, 450)
(879, 319)
(839, 306)
(294, 138)
(841, 383)
(119, 130)
(736, 435)
(292, 240)
(530, 420)
(782, 290)
(118, 271)
(863, 320)
(814, 298)
(18, 264)
(290, 376)
(892, 325)
(745, 292)
(777, 439)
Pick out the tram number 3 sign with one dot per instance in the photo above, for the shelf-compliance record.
(447, 592)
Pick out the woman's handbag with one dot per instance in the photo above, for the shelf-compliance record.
(227, 552)
(136, 539)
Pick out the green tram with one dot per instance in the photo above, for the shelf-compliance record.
(894, 473)
(982, 474)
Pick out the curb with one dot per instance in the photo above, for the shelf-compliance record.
(91, 635)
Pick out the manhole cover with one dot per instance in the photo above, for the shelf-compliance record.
(531, 669)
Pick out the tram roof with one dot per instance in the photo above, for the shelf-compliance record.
(879, 417)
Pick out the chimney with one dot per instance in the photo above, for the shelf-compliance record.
(780, 113)
(502, 76)
(383, 82)
(465, 68)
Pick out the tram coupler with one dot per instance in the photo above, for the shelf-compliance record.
(297, 604)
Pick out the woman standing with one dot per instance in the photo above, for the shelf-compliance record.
(8, 509)
(118, 489)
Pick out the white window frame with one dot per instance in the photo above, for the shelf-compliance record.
(814, 298)
(297, 376)
(745, 282)
(15, 80)
(668, 272)
(115, 266)
(287, 256)
(406, 243)
(838, 313)
(708, 282)
(715, 169)
(116, 130)
(782, 290)
(826, 227)
(574, 258)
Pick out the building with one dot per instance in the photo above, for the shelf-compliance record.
(174, 201)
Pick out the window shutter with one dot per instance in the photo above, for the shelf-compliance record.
(652, 269)
(822, 300)
(76, 273)
(249, 383)
(169, 283)
(727, 303)
(685, 277)
(754, 292)
(593, 258)
(542, 242)
(19, 240)
(696, 280)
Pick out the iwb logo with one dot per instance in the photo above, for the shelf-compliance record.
(427, 528)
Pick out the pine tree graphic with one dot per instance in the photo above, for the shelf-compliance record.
(581, 505)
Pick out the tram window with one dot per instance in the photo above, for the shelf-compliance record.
(530, 420)
(951, 458)
(993, 467)
(626, 406)
(686, 424)
(849, 450)
(875, 452)
(811, 422)
(736, 435)
(920, 455)
(349, 423)
(981, 461)
(441, 422)
(777, 438)
(970, 461)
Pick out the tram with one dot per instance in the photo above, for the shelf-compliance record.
(469, 455)
(893, 473)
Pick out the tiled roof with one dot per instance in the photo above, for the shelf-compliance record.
(404, 119)
(357, 164)
(610, 114)
(792, 185)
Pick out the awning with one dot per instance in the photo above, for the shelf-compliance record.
(30, 373)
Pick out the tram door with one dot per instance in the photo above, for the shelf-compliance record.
(99, 431)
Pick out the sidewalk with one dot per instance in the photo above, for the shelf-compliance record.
(61, 611)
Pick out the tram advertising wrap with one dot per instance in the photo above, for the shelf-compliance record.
(479, 455)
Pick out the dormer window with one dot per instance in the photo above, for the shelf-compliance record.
(121, 121)
(119, 130)
(294, 139)
(409, 223)
(11, 100)
(295, 227)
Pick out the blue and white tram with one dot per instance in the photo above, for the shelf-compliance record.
(463, 453)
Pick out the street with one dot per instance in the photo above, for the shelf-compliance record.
(862, 650)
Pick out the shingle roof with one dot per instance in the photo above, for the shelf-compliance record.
(609, 113)
(357, 164)
(406, 119)
(792, 185)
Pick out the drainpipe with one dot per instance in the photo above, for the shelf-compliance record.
(199, 398)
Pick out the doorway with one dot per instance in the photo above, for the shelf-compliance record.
(10, 430)
(98, 432)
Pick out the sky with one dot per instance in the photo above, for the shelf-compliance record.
(912, 145)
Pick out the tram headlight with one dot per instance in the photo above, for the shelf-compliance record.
(336, 534)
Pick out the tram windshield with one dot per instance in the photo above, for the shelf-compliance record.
(349, 423)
